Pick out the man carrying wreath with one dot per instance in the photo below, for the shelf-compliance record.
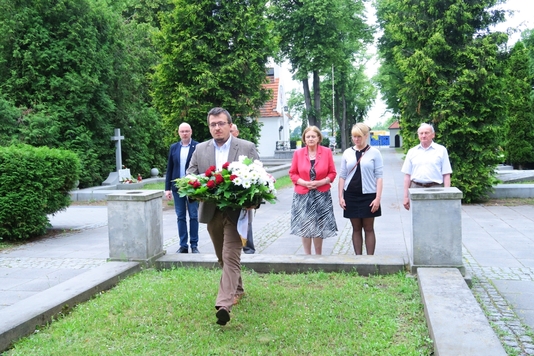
(222, 223)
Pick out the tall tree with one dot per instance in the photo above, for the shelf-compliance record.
(213, 54)
(296, 107)
(527, 37)
(389, 79)
(451, 75)
(354, 95)
(76, 69)
(519, 128)
(315, 35)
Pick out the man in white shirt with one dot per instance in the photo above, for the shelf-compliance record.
(426, 165)
(222, 223)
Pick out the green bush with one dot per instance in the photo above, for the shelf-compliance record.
(34, 182)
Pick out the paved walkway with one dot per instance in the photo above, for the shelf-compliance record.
(498, 243)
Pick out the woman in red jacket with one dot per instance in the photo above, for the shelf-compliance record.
(312, 171)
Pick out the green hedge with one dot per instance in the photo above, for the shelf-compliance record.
(34, 182)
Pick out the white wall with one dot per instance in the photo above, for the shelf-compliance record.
(268, 136)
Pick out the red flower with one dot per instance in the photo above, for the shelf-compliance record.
(225, 166)
(219, 178)
(210, 171)
(232, 177)
(210, 184)
(195, 183)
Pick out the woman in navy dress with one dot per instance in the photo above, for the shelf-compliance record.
(360, 188)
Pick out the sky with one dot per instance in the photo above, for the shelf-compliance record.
(522, 19)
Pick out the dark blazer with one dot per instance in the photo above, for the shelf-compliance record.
(204, 157)
(173, 163)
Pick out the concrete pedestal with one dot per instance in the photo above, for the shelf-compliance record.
(436, 228)
(135, 224)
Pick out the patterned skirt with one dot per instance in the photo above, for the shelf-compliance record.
(312, 215)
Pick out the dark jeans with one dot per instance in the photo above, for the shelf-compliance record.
(182, 206)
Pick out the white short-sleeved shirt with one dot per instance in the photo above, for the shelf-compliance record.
(427, 165)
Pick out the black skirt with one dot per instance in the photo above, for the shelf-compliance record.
(358, 205)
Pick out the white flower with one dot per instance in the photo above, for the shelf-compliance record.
(238, 181)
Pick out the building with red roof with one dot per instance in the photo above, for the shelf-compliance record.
(395, 138)
(274, 134)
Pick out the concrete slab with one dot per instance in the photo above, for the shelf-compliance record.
(37, 285)
(363, 265)
(456, 322)
(502, 191)
(521, 296)
(527, 262)
(8, 283)
(21, 319)
(80, 217)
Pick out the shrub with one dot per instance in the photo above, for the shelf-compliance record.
(34, 182)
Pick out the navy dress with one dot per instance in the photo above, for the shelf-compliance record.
(358, 204)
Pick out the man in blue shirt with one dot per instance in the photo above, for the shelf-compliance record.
(180, 155)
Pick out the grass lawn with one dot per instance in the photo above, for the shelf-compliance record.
(172, 312)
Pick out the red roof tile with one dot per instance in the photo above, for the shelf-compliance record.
(269, 108)
(394, 125)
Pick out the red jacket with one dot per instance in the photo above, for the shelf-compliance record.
(324, 167)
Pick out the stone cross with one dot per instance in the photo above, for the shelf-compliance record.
(118, 156)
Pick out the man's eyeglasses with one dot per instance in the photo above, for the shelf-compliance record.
(220, 124)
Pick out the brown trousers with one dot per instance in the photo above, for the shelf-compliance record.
(228, 245)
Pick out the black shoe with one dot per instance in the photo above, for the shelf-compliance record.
(194, 250)
(182, 250)
(249, 252)
(223, 316)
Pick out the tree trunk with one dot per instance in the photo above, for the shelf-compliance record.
(317, 98)
(308, 102)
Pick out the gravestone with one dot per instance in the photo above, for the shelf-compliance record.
(114, 178)
(124, 174)
(436, 228)
(135, 226)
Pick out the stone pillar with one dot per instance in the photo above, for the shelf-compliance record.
(436, 228)
(135, 225)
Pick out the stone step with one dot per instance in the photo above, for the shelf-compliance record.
(456, 322)
(22, 318)
(263, 263)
